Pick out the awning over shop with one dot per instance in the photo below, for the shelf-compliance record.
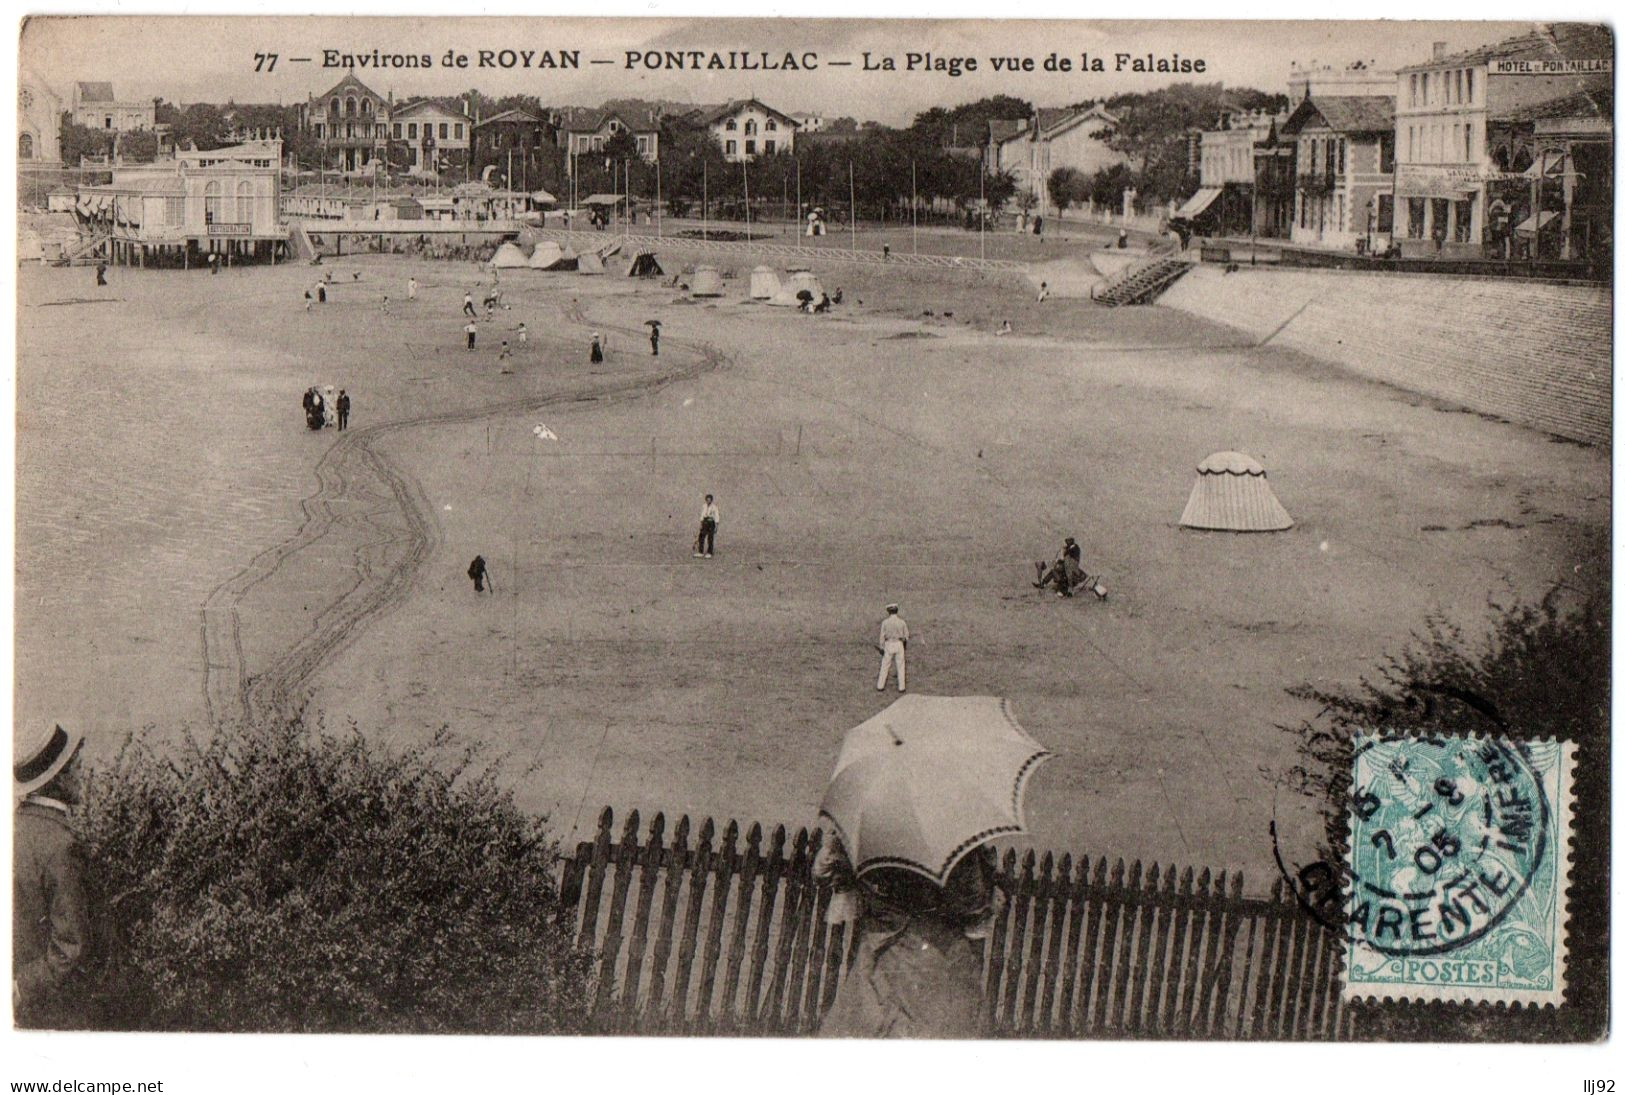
(1538, 221)
(1547, 163)
(1198, 202)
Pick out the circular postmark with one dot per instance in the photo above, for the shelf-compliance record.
(1445, 836)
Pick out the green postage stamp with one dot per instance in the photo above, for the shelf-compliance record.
(1458, 864)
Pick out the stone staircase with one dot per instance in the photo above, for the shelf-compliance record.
(1142, 282)
(85, 251)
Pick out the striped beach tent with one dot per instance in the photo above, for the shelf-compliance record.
(706, 283)
(509, 257)
(764, 283)
(547, 255)
(1232, 494)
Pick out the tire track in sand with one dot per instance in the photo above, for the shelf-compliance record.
(401, 518)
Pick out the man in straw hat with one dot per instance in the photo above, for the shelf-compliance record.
(50, 925)
(893, 648)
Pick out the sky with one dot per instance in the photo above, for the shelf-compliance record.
(142, 56)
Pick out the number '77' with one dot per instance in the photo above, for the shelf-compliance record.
(265, 62)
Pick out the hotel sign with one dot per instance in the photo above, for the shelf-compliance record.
(1423, 180)
(231, 229)
(1443, 181)
(1508, 67)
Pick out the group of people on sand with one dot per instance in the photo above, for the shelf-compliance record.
(324, 408)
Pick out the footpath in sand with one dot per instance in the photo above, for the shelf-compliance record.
(872, 457)
(875, 455)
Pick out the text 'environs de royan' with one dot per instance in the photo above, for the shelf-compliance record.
(698, 60)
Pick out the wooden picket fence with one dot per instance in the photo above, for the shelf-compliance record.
(742, 944)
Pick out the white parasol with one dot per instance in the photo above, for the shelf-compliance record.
(928, 780)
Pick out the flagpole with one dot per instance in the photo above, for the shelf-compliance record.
(981, 229)
(852, 194)
(914, 205)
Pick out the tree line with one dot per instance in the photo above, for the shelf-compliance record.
(939, 159)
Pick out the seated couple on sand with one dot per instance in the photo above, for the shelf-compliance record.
(1066, 573)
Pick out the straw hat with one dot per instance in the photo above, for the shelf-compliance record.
(39, 757)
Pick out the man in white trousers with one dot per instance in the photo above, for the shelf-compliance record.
(893, 648)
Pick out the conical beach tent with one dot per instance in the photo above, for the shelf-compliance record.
(804, 279)
(546, 256)
(509, 257)
(764, 284)
(706, 282)
(589, 263)
(644, 266)
(1233, 494)
(528, 238)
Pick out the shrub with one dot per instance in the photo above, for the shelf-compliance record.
(1541, 672)
(287, 878)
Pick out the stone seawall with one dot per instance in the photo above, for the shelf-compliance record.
(1536, 354)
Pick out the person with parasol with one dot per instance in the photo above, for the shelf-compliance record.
(918, 793)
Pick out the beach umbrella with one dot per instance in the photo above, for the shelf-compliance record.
(929, 780)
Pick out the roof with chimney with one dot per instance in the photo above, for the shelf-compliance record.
(580, 120)
(424, 106)
(736, 106)
(511, 117)
(1552, 42)
(1592, 103)
(351, 84)
(1343, 114)
(1054, 122)
(1047, 122)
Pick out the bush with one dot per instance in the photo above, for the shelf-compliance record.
(292, 879)
(1541, 672)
